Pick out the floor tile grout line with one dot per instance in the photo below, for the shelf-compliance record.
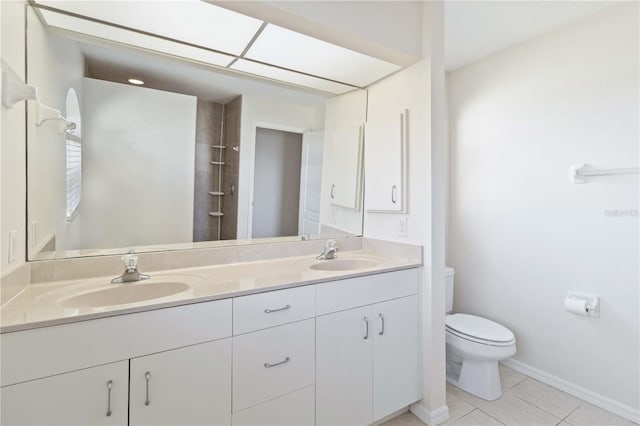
(525, 378)
(459, 417)
(574, 410)
(499, 421)
(539, 408)
(464, 402)
(581, 402)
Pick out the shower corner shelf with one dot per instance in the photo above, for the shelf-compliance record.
(216, 193)
(216, 214)
(217, 163)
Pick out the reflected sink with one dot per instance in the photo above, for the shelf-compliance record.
(121, 294)
(343, 264)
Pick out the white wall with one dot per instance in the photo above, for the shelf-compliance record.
(521, 235)
(420, 89)
(406, 89)
(276, 185)
(138, 154)
(55, 65)
(268, 113)
(13, 177)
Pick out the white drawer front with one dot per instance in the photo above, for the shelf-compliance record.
(42, 352)
(294, 409)
(272, 362)
(273, 308)
(350, 293)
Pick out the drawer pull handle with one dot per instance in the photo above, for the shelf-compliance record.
(381, 332)
(147, 377)
(109, 386)
(333, 188)
(270, 311)
(366, 328)
(286, 360)
(394, 194)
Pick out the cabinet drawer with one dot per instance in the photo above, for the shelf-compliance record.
(272, 362)
(294, 409)
(273, 308)
(351, 293)
(42, 352)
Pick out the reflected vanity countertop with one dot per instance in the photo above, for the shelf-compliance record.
(62, 302)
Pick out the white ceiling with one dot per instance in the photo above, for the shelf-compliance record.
(199, 23)
(229, 36)
(118, 63)
(475, 29)
(295, 51)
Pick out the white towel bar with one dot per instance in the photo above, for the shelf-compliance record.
(579, 174)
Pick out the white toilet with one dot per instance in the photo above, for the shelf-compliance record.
(474, 347)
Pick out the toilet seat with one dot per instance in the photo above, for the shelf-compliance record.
(479, 330)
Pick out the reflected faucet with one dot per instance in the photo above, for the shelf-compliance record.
(329, 251)
(131, 272)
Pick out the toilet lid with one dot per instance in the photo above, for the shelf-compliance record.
(479, 328)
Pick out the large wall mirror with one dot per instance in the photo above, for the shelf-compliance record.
(143, 142)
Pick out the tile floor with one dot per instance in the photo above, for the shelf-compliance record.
(524, 402)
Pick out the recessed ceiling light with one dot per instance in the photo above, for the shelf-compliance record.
(136, 81)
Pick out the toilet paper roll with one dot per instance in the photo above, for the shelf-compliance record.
(576, 306)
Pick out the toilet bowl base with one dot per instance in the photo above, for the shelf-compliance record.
(473, 366)
(479, 378)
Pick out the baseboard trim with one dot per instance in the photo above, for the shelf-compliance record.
(587, 395)
(430, 417)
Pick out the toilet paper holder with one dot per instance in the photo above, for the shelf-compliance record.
(582, 304)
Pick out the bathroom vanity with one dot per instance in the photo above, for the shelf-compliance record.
(292, 341)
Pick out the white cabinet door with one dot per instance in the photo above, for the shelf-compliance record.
(396, 363)
(94, 396)
(310, 183)
(186, 386)
(346, 147)
(385, 162)
(344, 344)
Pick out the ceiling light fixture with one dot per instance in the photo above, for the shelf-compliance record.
(136, 81)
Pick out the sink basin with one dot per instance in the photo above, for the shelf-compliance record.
(99, 294)
(125, 293)
(343, 264)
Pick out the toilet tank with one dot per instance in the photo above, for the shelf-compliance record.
(448, 287)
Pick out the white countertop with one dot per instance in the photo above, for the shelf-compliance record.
(46, 304)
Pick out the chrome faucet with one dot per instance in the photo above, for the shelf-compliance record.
(329, 251)
(131, 272)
